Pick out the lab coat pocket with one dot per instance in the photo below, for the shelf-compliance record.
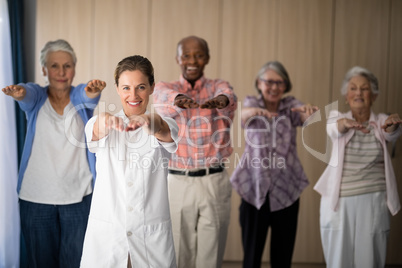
(159, 245)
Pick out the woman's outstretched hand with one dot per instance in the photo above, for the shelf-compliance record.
(94, 88)
(15, 91)
(392, 123)
(305, 111)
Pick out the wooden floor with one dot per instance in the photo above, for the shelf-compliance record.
(234, 264)
(227, 264)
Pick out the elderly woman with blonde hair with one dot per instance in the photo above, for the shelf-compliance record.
(358, 187)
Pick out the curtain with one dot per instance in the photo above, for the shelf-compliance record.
(9, 213)
(19, 72)
(16, 17)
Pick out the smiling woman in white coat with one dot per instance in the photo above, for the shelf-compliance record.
(129, 222)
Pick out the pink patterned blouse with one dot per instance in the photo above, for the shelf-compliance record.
(270, 163)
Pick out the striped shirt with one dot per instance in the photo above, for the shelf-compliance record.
(363, 169)
(204, 134)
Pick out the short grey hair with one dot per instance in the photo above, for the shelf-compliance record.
(58, 45)
(360, 71)
(279, 69)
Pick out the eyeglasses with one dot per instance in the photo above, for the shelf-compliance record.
(271, 83)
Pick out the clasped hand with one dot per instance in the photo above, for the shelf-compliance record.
(390, 124)
(219, 102)
(305, 111)
(94, 87)
(151, 123)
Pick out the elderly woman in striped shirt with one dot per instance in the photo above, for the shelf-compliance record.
(358, 187)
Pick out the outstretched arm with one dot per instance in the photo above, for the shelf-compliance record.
(94, 88)
(104, 123)
(219, 102)
(15, 91)
(250, 112)
(345, 124)
(185, 102)
(305, 111)
(392, 123)
(153, 124)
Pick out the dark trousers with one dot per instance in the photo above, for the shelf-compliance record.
(254, 227)
(54, 234)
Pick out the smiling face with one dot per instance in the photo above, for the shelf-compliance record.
(272, 86)
(192, 56)
(359, 94)
(59, 70)
(134, 91)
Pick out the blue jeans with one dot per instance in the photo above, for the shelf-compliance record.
(54, 234)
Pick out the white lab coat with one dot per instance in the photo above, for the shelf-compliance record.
(130, 207)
